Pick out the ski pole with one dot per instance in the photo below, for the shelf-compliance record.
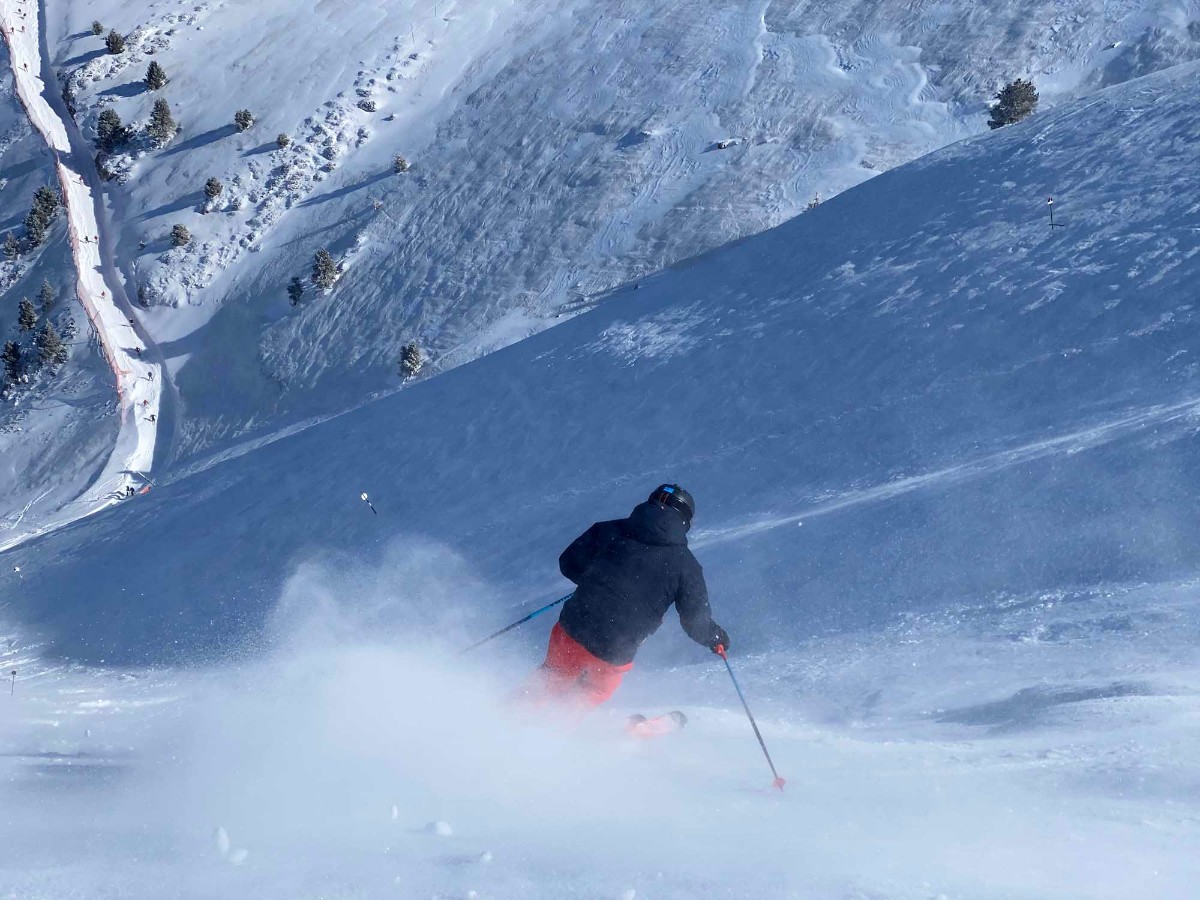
(778, 782)
(507, 628)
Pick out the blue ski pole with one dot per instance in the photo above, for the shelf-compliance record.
(507, 628)
(778, 782)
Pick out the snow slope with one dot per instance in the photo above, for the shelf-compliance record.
(559, 148)
(138, 388)
(944, 457)
(55, 434)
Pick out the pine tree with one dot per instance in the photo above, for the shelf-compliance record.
(27, 317)
(45, 203)
(162, 125)
(411, 360)
(295, 290)
(1016, 100)
(180, 236)
(51, 349)
(243, 119)
(213, 188)
(400, 164)
(110, 133)
(156, 76)
(47, 296)
(97, 28)
(35, 228)
(115, 43)
(283, 141)
(12, 247)
(11, 356)
(325, 270)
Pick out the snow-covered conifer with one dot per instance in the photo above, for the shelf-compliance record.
(243, 119)
(110, 133)
(1015, 101)
(45, 203)
(162, 124)
(115, 43)
(27, 316)
(11, 357)
(325, 270)
(47, 296)
(213, 188)
(283, 141)
(411, 360)
(97, 28)
(400, 164)
(12, 247)
(51, 349)
(35, 228)
(180, 236)
(156, 76)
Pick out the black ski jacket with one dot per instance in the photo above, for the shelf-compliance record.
(629, 572)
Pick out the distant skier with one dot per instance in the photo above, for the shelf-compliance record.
(629, 572)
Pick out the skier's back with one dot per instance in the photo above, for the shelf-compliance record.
(629, 573)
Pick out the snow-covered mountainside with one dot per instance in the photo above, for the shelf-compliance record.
(558, 149)
(55, 432)
(945, 461)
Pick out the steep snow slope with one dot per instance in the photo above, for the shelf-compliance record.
(559, 148)
(945, 462)
(136, 375)
(55, 433)
(927, 332)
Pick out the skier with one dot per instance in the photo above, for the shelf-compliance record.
(629, 572)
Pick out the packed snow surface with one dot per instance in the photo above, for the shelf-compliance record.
(945, 461)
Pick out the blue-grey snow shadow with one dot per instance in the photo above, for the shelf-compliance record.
(22, 168)
(201, 140)
(132, 89)
(187, 201)
(1033, 706)
(84, 58)
(348, 189)
(262, 148)
(632, 139)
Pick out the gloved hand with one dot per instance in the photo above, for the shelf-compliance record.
(720, 638)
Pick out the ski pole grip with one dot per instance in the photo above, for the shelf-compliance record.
(719, 650)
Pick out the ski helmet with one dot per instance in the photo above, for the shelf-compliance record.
(675, 497)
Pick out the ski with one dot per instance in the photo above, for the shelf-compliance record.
(640, 726)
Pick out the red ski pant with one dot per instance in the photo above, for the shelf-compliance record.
(574, 676)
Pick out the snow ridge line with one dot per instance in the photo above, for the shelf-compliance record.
(138, 381)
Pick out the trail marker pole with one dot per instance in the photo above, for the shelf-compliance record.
(1050, 205)
(778, 782)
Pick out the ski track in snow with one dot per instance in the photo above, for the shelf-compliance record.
(1074, 442)
(138, 380)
